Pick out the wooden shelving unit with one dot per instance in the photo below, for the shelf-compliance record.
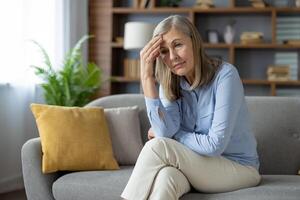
(108, 17)
(124, 79)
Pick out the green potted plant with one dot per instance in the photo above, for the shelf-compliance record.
(73, 84)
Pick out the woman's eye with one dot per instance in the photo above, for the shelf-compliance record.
(163, 52)
(177, 45)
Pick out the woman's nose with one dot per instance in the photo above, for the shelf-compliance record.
(173, 55)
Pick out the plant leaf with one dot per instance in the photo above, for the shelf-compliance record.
(45, 55)
(73, 84)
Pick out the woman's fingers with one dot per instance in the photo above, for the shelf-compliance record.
(151, 50)
(152, 55)
(154, 45)
(152, 42)
(148, 55)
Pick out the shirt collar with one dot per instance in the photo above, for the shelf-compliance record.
(184, 84)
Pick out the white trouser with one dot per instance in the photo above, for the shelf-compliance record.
(165, 169)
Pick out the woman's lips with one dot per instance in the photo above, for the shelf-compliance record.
(178, 65)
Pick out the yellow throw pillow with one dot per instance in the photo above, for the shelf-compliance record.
(73, 138)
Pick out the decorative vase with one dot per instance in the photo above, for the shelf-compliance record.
(229, 34)
(297, 2)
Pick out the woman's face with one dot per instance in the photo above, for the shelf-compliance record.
(176, 51)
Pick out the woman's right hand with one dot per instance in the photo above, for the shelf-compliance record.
(148, 55)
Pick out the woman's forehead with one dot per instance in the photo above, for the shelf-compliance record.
(172, 35)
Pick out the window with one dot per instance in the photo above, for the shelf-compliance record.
(22, 21)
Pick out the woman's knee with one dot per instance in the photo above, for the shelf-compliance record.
(169, 151)
(158, 144)
(154, 144)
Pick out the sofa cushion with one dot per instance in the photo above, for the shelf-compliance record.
(91, 185)
(107, 185)
(122, 100)
(272, 187)
(276, 127)
(73, 138)
(124, 129)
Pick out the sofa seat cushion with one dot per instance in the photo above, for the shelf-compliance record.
(109, 185)
(272, 187)
(92, 185)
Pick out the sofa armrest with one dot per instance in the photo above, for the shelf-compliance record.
(37, 185)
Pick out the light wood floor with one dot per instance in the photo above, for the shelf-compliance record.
(16, 195)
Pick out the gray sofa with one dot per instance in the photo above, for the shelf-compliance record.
(276, 123)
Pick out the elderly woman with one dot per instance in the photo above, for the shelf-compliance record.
(200, 132)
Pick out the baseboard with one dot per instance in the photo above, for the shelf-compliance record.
(11, 184)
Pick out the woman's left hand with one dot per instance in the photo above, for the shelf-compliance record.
(151, 134)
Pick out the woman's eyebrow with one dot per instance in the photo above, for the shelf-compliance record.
(175, 40)
(172, 42)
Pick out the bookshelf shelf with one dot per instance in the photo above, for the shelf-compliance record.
(116, 45)
(124, 79)
(266, 82)
(265, 46)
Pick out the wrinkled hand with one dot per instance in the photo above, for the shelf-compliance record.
(148, 55)
(151, 134)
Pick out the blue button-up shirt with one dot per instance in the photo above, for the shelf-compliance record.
(211, 120)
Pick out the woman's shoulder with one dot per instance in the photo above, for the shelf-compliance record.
(226, 70)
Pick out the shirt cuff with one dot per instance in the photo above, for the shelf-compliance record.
(152, 103)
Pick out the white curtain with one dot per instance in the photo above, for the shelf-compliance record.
(52, 23)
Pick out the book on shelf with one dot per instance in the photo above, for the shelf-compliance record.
(258, 3)
(280, 69)
(290, 59)
(204, 4)
(143, 4)
(251, 38)
(292, 42)
(131, 68)
(287, 28)
(278, 72)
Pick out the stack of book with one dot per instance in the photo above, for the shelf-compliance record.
(204, 4)
(288, 30)
(290, 59)
(132, 68)
(258, 3)
(251, 37)
(278, 73)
